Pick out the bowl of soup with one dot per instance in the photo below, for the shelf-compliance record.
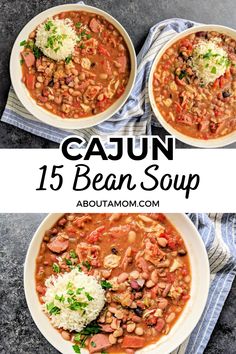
(116, 283)
(73, 66)
(192, 86)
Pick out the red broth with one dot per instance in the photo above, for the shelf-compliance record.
(151, 279)
(87, 83)
(202, 112)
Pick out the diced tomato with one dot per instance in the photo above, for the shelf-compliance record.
(95, 235)
(167, 65)
(222, 81)
(133, 342)
(178, 107)
(170, 277)
(186, 297)
(186, 43)
(120, 91)
(103, 51)
(30, 81)
(216, 84)
(184, 271)
(71, 230)
(180, 82)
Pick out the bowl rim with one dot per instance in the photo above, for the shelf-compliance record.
(200, 143)
(42, 114)
(166, 345)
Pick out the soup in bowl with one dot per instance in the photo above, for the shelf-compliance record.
(105, 281)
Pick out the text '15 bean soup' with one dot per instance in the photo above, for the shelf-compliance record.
(113, 283)
(75, 64)
(194, 85)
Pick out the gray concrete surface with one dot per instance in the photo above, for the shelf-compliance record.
(137, 16)
(18, 333)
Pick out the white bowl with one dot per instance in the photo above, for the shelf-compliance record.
(210, 143)
(30, 104)
(184, 325)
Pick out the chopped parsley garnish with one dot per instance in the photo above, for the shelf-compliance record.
(23, 43)
(89, 297)
(56, 268)
(83, 33)
(21, 61)
(68, 59)
(87, 265)
(73, 254)
(213, 70)
(77, 305)
(91, 328)
(82, 46)
(69, 285)
(60, 298)
(68, 261)
(78, 24)
(76, 348)
(105, 284)
(93, 344)
(88, 36)
(79, 268)
(37, 52)
(48, 25)
(55, 41)
(70, 292)
(77, 337)
(52, 309)
(104, 351)
(79, 290)
(182, 74)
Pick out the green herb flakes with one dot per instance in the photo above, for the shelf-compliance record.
(105, 284)
(52, 309)
(56, 268)
(87, 265)
(78, 24)
(73, 254)
(48, 25)
(23, 43)
(76, 348)
(89, 297)
(68, 59)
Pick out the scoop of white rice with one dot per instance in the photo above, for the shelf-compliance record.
(58, 295)
(209, 61)
(56, 38)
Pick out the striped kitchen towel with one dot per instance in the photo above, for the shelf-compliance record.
(135, 117)
(218, 232)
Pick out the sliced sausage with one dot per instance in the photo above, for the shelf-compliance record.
(95, 25)
(29, 58)
(58, 245)
(98, 342)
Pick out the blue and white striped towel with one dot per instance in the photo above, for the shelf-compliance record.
(135, 117)
(218, 232)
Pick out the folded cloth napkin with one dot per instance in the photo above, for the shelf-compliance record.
(218, 232)
(135, 118)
